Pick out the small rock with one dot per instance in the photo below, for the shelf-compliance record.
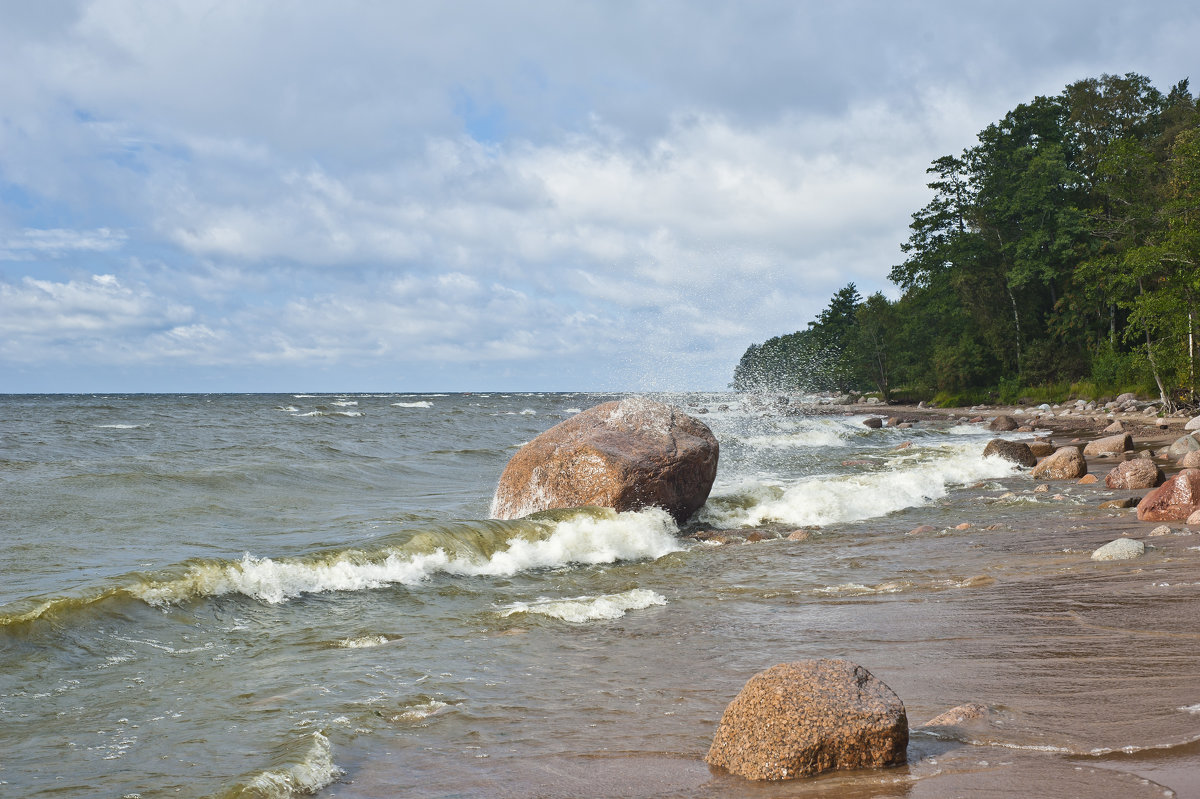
(1041, 449)
(963, 526)
(958, 715)
(799, 535)
(1042, 489)
(905, 445)
(924, 528)
(1190, 460)
(1013, 451)
(1194, 424)
(1183, 445)
(1115, 427)
(1065, 464)
(1135, 474)
(1002, 424)
(1121, 549)
(1088, 479)
(873, 422)
(804, 718)
(1194, 519)
(1162, 529)
(1128, 502)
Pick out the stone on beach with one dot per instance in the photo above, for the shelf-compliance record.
(873, 422)
(625, 455)
(1135, 474)
(1183, 445)
(924, 528)
(1109, 445)
(1041, 449)
(1115, 427)
(804, 718)
(1194, 519)
(1190, 460)
(1121, 549)
(1175, 500)
(1065, 464)
(1002, 424)
(1194, 424)
(1127, 502)
(1013, 451)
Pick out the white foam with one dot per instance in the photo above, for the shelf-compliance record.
(418, 404)
(363, 642)
(315, 771)
(1193, 709)
(344, 403)
(120, 426)
(421, 711)
(572, 410)
(589, 608)
(583, 539)
(906, 482)
(529, 412)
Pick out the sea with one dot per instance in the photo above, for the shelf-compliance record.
(278, 595)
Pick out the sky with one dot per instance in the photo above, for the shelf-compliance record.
(219, 195)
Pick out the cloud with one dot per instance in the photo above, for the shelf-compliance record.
(33, 244)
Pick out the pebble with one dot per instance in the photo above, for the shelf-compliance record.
(1162, 529)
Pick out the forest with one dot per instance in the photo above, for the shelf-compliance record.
(1059, 256)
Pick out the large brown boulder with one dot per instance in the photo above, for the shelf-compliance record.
(1109, 445)
(803, 718)
(1041, 449)
(1014, 451)
(625, 455)
(1135, 474)
(1174, 500)
(1002, 424)
(1065, 464)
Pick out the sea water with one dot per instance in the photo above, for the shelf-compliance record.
(282, 595)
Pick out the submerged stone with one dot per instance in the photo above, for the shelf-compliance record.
(1121, 549)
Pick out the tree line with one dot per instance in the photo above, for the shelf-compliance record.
(1062, 248)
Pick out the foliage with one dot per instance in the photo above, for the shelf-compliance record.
(1059, 254)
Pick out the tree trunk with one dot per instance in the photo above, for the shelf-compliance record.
(1162, 390)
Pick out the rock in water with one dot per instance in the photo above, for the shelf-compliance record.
(1002, 424)
(1190, 460)
(1135, 474)
(1110, 445)
(1065, 464)
(1174, 500)
(1121, 549)
(625, 455)
(1014, 451)
(803, 718)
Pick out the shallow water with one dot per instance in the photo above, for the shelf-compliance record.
(279, 595)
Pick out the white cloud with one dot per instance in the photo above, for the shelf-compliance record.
(33, 244)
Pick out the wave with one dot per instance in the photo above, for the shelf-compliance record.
(417, 404)
(910, 481)
(120, 426)
(589, 608)
(304, 775)
(328, 413)
(547, 540)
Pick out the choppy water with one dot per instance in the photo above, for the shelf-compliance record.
(277, 595)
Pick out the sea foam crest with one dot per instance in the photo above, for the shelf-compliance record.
(589, 608)
(314, 771)
(593, 537)
(417, 404)
(906, 483)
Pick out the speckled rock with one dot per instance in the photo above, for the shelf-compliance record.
(625, 455)
(873, 422)
(1109, 445)
(1127, 502)
(1174, 500)
(1191, 460)
(1121, 549)
(1135, 474)
(804, 718)
(1013, 451)
(1194, 519)
(1065, 464)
